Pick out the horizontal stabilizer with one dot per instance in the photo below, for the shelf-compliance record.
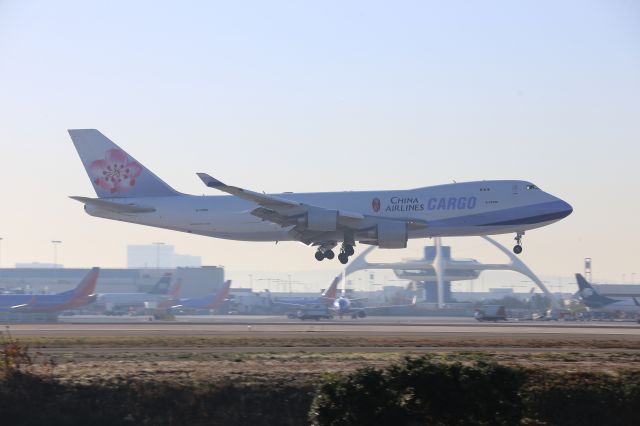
(114, 206)
(21, 307)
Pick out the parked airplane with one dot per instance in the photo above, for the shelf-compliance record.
(129, 192)
(81, 295)
(326, 298)
(161, 291)
(343, 306)
(599, 303)
(210, 301)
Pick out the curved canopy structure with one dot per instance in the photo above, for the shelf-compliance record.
(446, 269)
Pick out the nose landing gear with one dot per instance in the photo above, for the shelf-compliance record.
(517, 249)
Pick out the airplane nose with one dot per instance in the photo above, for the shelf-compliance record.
(564, 209)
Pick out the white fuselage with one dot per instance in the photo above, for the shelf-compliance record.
(457, 209)
(128, 299)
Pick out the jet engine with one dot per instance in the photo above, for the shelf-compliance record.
(320, 220)
(392, 234)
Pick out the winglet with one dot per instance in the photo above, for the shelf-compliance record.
(210, 181)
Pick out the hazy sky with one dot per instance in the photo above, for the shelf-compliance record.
(322, 96)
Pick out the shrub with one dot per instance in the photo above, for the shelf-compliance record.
(28, 399)
(584, 399)
(13, 354)
(419, 391)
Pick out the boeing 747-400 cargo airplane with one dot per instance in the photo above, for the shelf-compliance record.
(129, 192)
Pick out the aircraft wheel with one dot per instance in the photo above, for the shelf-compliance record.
(319, 256)
(343, 258)
(348, 249)
(517, 249)
(329, 254)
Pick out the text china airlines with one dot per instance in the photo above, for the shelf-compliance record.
(406, 204)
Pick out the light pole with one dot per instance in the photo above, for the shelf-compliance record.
(55, 252)
(158, 244)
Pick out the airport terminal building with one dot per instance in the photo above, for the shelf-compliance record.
(195, 281)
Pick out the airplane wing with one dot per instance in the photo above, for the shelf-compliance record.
(289, 305)
(413, 304)
(310, 224)
(113, 206)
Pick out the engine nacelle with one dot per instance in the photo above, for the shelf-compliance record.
(392, 235)
(321, 220)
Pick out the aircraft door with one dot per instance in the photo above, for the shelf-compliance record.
(514, 189)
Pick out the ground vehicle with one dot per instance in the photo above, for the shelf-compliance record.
(491, 313)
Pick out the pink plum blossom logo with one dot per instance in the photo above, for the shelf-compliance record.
(375, 204)
(116, 173)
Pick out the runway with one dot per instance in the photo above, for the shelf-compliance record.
(272, 326)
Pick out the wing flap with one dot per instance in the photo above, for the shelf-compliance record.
(274, 216)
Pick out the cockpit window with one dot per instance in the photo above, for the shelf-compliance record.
(532, 187)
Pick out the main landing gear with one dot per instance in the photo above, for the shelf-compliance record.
(322, 254)
(517, 249)
(326, 253)
(345, 252)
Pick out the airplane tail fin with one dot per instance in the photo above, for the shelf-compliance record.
(222, 295)
(583, 284)
(174, 291)
(590, 295)
(332, 291)
(214, 300)
(163, 285)
(87, 286)
(112, 171)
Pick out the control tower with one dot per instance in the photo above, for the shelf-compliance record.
(427, 278)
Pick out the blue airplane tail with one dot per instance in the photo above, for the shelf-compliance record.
(589, 295)
(163, 285)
